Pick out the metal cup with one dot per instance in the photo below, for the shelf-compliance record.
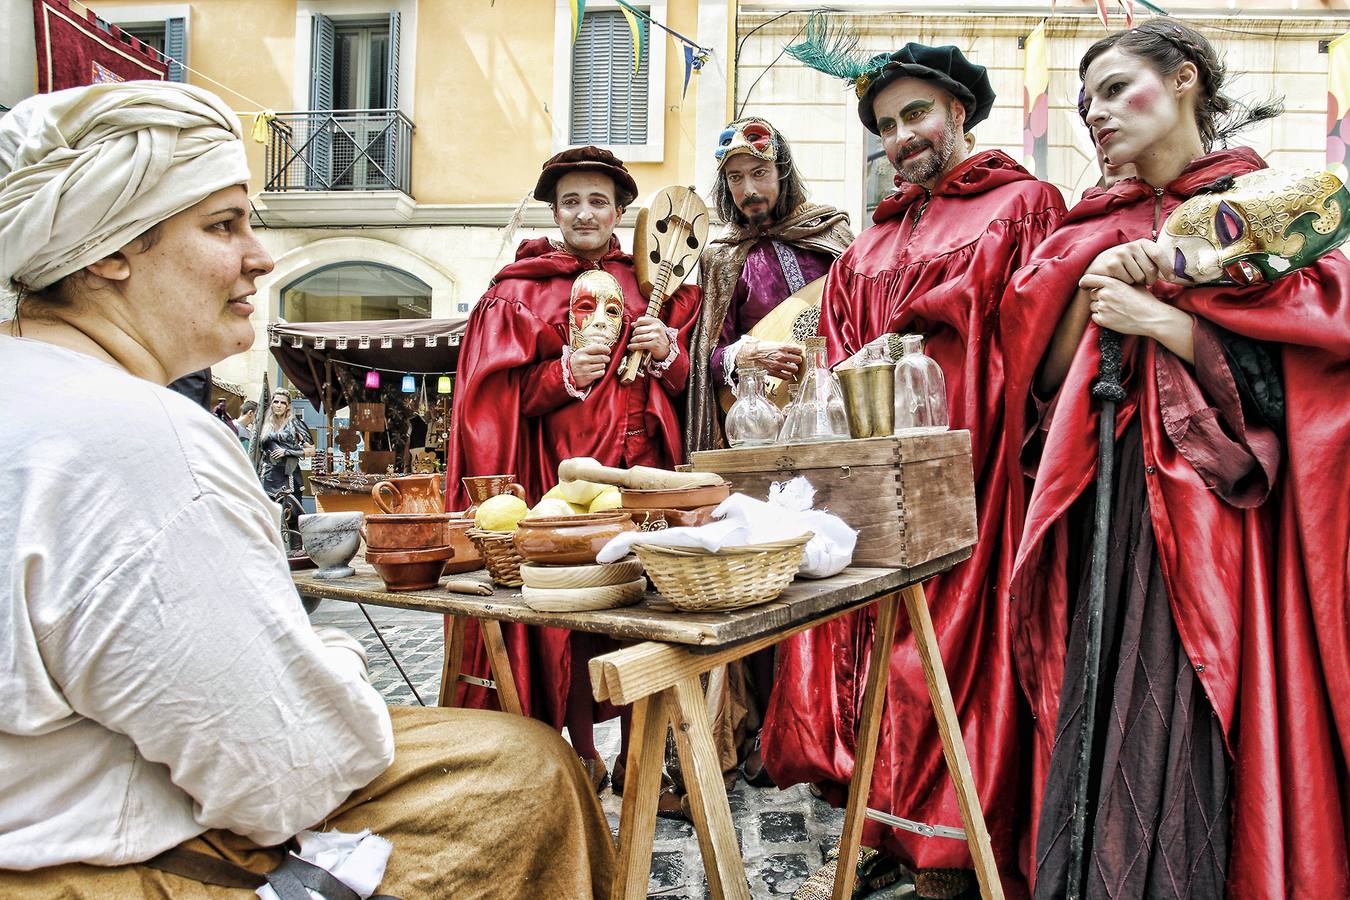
(869, 399)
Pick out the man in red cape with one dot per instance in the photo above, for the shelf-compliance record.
(936, 262)
(1258, 593)
(527, 400)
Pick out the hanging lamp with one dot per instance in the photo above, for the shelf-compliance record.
(372, 380)
(443, 384)
(409, 384)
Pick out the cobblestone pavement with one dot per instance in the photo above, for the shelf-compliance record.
(783, 834)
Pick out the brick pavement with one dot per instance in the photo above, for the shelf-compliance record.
(783, 834)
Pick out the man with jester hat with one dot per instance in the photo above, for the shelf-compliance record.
(539, 383)
(935, 262)
(775, 243)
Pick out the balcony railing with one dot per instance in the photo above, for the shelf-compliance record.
(340, 150)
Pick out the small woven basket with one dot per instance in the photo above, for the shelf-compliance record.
(499, 555)
(733, 578)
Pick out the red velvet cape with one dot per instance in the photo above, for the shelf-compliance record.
(1258, 595)
(512, 414)
(943, 277)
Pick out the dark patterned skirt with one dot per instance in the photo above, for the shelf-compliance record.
(1158, 791)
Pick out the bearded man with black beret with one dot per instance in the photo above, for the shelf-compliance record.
(538, 383)
(935, 262)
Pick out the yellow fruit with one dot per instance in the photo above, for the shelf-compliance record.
(609, 498)
(500, 513)
(551, 506)
(578, 492)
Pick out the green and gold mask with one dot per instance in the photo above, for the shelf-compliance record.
(1267, 224)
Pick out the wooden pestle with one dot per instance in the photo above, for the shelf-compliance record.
(642, 478)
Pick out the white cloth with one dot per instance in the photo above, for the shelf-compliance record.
(744, 520)
(357, 860)
(158, 672)
(86, 170)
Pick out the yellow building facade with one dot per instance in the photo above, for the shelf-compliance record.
(399, 207)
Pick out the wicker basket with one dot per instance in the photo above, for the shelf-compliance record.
(499, 555)
(733, 578)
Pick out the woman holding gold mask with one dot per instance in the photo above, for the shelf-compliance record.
(1224, 639)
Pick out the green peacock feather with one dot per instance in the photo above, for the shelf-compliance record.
(834, 50)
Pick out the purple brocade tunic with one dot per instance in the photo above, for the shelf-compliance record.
(761, 287)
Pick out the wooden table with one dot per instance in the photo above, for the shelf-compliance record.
(659, 677)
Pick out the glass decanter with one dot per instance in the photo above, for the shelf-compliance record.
(817, 413)
(752, 420)
(920, 389)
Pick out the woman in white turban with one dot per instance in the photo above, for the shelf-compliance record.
(164, 693)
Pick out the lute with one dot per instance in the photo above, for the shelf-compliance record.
(670, 234)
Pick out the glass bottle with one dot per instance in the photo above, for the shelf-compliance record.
(817, 413)
(920, 389)
(752, 420)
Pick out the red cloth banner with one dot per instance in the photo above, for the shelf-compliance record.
(75, 48)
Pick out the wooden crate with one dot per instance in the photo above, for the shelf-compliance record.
(912, 498)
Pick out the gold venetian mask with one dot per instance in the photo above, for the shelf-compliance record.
(1268, 223)
(596, 310)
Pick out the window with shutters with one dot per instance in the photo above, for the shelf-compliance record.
(162, 28)
(599, 96)
(609, 93)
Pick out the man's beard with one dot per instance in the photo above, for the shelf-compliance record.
(927, 170)
(758, 214)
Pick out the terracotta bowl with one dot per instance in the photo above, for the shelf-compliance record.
(569, 540)
(676, 498)
(409, 570)
(405, 531)
(466, 558)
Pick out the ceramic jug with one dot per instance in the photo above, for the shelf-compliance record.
(410, 494)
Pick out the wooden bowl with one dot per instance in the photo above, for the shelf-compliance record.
(409, 570)
(406, 531)
(569, 577)
(675, 498)
(583, 599)
(466, 558)
(569, 540)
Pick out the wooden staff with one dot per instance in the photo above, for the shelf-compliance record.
(671, 232)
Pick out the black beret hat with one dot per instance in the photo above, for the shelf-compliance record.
(585, 159)
(947, 67)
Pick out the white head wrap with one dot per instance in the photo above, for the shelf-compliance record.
(86, 170)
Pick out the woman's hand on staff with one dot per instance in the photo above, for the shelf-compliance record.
(777, 359)
(588, 364)
(309, 450)
(1138, 262)
(1131, 309)
(650, 335)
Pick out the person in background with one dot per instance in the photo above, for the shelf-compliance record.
(168, 710)
(244, 424)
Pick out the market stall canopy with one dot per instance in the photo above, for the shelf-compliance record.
(418, 346)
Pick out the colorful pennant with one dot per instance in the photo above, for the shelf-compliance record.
(578, 11)
(1036, 103)
(1338, 105)
(638, 26)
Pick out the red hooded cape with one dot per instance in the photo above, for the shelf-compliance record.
(514, 415)
(939, 270)
(1259, 595)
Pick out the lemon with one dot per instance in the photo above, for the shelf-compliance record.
(550, 506)
(609, 498)
(579, 493)
(500, 513)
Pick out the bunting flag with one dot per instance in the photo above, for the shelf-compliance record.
(1338, 105)
(77, 48)
(693, 62)
(1101, 13)
(578, 11)
(639, 28)
(1128, 6)
(1036, 104)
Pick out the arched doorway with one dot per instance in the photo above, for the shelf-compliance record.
(350, 291)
